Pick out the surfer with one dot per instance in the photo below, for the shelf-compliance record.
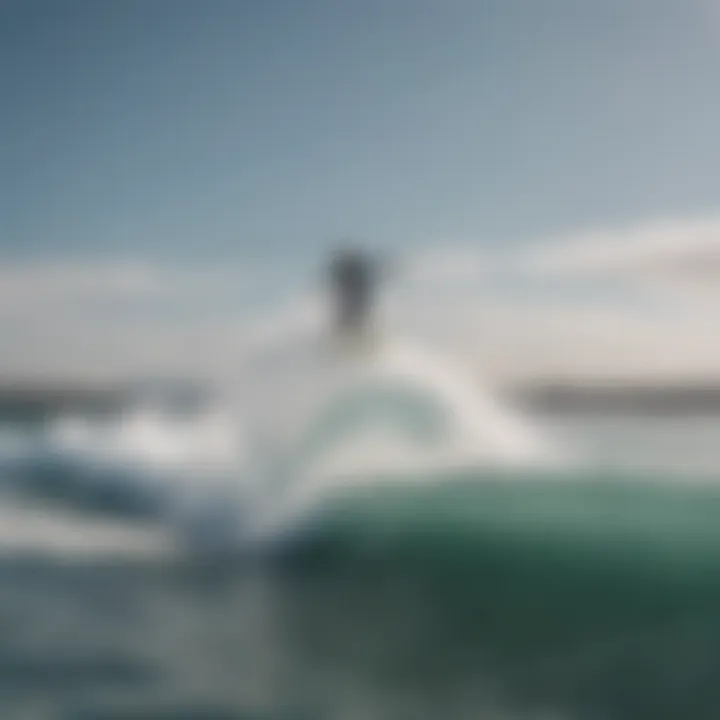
(353, 277)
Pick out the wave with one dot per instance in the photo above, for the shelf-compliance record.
(32, 530)
(139, 469)
(310, 423)
(328, 420)
(474, 524)
(591, 599)
(561, 597)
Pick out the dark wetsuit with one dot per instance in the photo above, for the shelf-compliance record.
(352, 277)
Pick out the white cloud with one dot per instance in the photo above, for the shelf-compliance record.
(516, 312)
(642, 300)
(686, 250)
(105, 319)
(36, 285)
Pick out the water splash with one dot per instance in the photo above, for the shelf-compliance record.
(328, 420)
(149, 441)
(308, 422)
(145, 462)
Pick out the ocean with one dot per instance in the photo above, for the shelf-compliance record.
(583, 593)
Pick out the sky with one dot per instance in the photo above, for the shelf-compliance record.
(166, 165)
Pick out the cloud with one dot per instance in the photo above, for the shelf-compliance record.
(686, 250)
(104, 319)
(624, 301)
(641, 300)
(36, 285)
(670, 254)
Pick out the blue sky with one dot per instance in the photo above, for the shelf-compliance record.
(144, 135)
(221, 128)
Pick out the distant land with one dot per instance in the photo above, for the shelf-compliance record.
(620, 397)
(30, 401)
(34, 400)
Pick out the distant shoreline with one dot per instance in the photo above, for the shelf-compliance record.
(34, 400)
(617, 397)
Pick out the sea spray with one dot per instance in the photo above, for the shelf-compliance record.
(309, 424)
(329, 421)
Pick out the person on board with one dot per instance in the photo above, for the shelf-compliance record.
(353, 278)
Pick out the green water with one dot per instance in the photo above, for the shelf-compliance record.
(537, 597)
(592, 599)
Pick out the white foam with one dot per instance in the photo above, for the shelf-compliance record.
(415, 414)
(304, 387)
(148, 439)
(180, 467)
(63, 535)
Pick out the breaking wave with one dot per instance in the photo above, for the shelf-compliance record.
(308, 423)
